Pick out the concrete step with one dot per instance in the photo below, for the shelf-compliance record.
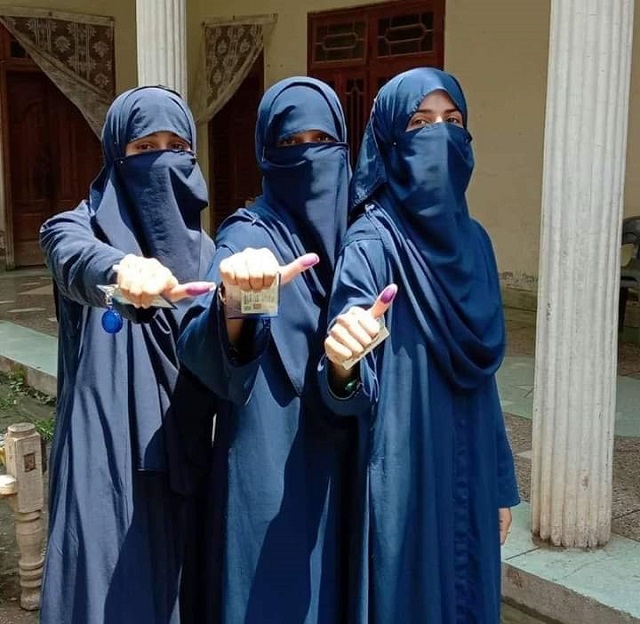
(571, 586)
(32, 352)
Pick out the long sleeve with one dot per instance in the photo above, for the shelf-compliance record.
(361, 274)
(508, 495)
(204, 346)
(77, 260)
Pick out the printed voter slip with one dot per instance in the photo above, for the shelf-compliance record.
(113, 293)
(381, 337)
(252, 303)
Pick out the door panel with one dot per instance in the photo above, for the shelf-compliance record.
(30, 164)
(234, 176)
(76, 152)
(53, 157)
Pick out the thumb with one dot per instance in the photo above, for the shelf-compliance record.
(190, 289)
(384, 301)
(299, 265)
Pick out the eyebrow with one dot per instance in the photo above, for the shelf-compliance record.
(430, 111)
(155, 134)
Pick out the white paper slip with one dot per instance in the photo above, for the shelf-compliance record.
(252, 303)
(382, 336)
(114, 293)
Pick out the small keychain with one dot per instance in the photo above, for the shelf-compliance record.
(111, 319)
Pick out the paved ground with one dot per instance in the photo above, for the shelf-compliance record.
(25, 299)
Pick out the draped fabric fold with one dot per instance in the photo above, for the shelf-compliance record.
(76, 51)
(230, 49)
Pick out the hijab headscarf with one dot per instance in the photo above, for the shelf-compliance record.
(150, 203)
(418, 179)
(306, 186)
(303, 207)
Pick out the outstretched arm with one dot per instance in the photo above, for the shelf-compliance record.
(76, 258)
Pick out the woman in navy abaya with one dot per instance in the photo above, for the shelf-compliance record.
(277, 493)
(435, 470)
(133, 432)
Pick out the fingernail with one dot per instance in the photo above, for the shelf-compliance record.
(389, 293)
(311, 261)
(198, 288)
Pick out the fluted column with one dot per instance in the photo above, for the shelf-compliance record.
(162, 41)
(576, 347)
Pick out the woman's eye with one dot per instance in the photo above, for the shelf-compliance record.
(325, 138)
(143, 147)
(180, 146)
(417, 122)
(454, 120)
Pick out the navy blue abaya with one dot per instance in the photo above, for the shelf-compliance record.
(277, 479)
(133, 431)
(434, 465)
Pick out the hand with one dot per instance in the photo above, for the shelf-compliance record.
(256, 269)
(505, 523)
(357, 328)
(141, 280)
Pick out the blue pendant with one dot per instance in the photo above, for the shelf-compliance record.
(112, 321)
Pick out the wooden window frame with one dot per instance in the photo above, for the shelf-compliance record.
(371, 68)
(371, 14)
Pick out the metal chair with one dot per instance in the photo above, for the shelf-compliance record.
(630, 271)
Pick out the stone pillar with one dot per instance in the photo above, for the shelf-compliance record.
(162, 43)
(576, 347)
(24, 488)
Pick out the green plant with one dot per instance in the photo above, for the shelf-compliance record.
(18, 388)
(45, 428)
(17, 383)
(42, 398)
(8, 401)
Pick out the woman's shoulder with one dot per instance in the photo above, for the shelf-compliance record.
(365, 226)
(483, 237)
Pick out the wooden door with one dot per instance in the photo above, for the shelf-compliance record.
(30, 174)
(51, 155)
(357, 50)
(76, 153)
(234, 175)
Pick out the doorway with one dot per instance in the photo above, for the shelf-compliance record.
(235, 178)
(50, 153)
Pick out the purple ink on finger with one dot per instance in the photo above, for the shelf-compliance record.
(389, 293)
(199, 288)
(312, 260)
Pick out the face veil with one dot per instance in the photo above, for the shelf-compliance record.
(418, 179)
(150, 203)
